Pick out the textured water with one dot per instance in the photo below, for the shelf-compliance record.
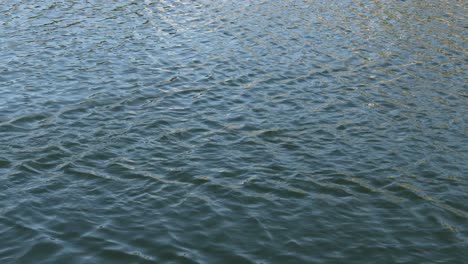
(233, 131)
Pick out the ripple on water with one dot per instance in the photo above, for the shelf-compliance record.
(233, 132)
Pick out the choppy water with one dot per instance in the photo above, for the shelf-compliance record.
(233, 131)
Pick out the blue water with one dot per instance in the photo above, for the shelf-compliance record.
(206, 131)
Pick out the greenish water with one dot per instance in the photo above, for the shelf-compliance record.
(233, 131)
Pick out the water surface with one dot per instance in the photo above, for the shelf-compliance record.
(293, 131)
